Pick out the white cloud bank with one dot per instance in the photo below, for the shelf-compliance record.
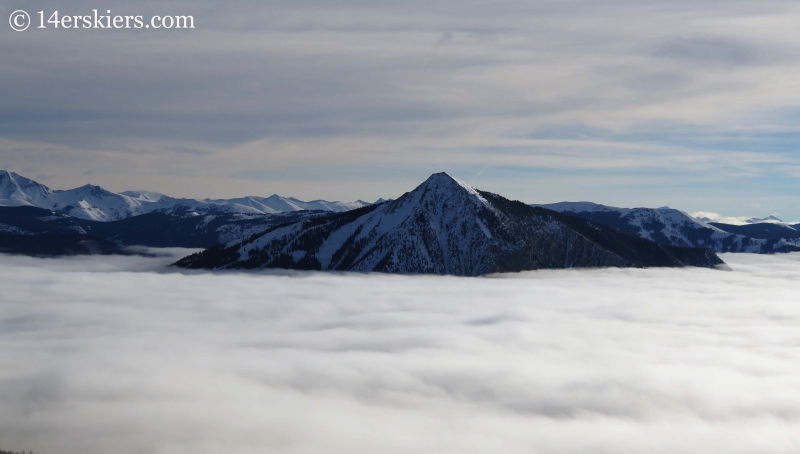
(708, 216)
(98, 359)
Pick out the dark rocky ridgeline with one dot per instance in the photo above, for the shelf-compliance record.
(762, 230)
(637, 251)
(178, 229)
(57, 244)
(446, 227)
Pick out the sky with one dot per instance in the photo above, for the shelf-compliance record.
(688, 104)
(114, 354)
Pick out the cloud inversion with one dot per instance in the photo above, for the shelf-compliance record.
(113, 356)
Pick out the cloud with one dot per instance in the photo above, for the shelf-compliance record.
(705, 51)
(410, 88)
(121, 355)
(708, 216)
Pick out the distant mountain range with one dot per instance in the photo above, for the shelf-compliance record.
(97, 204)
(768, 219)
(766, 230)
(445, 227)
(669, 226)
(441, 227)
(771, 219)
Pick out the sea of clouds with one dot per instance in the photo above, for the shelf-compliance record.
(121, 355)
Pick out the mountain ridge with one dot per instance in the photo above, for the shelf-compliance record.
(151, 229)
(444, 226)
(95, 203)
(667, 225)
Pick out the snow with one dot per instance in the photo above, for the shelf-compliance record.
(580, 207)
(278, 204)
(98, 204)
(147, 196)
(16, 190)
(15, 203)
(770, 218)
(442, 226)
(676, 225)
(471, 191)
(483, 228)
(5, 228)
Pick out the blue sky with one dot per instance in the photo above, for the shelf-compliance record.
(690, 104)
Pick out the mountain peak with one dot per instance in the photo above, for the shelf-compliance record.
(442, 179)
(768, 219)
(443, 185)
(16, 190)
(92, 190)
(94, 202)
(6, 175)
(444, 226)
(439, 176)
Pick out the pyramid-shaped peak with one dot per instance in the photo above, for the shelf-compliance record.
(90, 189)
(439, 178)
(443, 181)
(443, 186)
(15, 180)
(14, 176)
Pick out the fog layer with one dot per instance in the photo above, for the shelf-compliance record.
(107, 355)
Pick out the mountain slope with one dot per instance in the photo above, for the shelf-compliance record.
(16, 190)
(151, 229)
(444, 227)
(97, 204)
(673, 227)
(765, 230)
(57, 244)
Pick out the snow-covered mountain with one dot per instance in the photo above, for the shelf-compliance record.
(445, 227)
(88, 202)
(762, 230)
(670, 226)
(98, 204)
(769, 219)
(714, 218)
(278, 204)
(16, 190)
